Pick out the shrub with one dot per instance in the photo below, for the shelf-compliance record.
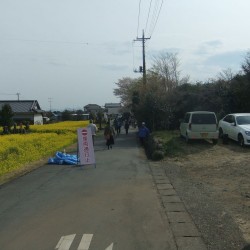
(158, 155)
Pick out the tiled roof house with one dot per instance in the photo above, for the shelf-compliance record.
(25, 110)
(92, 108)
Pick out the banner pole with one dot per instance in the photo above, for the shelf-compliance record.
(77, 153)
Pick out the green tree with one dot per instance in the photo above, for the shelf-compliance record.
(66, 115)
(6, 117)
(126, 88)
(99, 119)
(92, 116)
(79, 113)
(246, 65)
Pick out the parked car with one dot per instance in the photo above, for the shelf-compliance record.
(236, 127)
(199, 125)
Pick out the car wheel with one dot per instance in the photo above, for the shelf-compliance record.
(215, 141)
(220, 133)
(241, 140)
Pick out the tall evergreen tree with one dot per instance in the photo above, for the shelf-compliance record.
(6, 115)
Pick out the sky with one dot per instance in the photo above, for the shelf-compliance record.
(69, 53)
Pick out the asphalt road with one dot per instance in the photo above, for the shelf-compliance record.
(113, 206)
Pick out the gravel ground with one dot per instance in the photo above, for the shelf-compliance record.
(213, 182)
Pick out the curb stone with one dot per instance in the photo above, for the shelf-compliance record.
(184, 230)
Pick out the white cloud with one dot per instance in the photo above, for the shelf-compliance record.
(82, 48)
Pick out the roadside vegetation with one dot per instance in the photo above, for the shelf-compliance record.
(17, 150)
(161, 103)
(167, 95)
(170, 140)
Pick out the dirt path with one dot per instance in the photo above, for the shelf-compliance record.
(225, 170)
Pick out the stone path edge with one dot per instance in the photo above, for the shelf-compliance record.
(184, 230)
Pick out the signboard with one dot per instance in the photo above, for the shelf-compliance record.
(85, 146)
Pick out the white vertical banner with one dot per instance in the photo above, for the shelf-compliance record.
(85, 146)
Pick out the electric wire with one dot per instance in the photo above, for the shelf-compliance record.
(42, 41)
(135, 54)
(148, 15)
(7, 94)
(153, 14)
(133, 50)
(153, 17)
(156, 20)
(139, 17)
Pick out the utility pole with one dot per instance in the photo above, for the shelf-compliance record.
(50, 100)
(18, 94)
(143, 68)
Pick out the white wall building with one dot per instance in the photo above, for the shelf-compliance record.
(113, 108)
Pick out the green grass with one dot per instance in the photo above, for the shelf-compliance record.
(172, 143)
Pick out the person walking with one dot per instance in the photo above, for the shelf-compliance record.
(126, 126)
(94, 130)
(143, 133)
(109, 133)
(117, 124)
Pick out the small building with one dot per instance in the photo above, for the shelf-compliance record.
(92, 108)
(113, 108)
(55, 116)
(25, 111)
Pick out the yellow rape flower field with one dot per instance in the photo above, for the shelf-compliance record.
(18, 150)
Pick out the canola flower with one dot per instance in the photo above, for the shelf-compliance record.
(17, 150)
(61, 127)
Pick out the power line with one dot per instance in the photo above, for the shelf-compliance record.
(143, 39)
(42, 41)
(153, 25)
(6, 94)
(133, 56)
(153, 14)
(143, 68)
(148, 15)
(138, 17)
(17, 94)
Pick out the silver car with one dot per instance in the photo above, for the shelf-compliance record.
(236, 127)
(199, 125)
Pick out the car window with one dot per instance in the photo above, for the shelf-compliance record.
(228, 119)
(186, 118)
(243, 120)
(203, 119)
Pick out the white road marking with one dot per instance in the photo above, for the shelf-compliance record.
(65, 242)
(85, 242)
(110, 247)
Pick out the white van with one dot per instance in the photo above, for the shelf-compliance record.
(200, 125)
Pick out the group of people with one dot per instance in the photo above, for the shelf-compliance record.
(17, 128)
(109, 131)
